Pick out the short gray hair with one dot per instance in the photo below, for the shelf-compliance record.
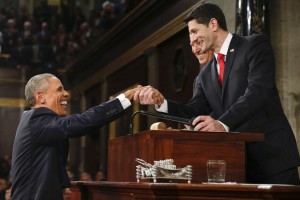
(38, 83)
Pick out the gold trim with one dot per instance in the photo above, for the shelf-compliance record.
(153, 40)
(136, 120)
(112, 130)
(13, 103)
(4, 81)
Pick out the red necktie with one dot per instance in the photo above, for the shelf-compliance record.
(222, 65)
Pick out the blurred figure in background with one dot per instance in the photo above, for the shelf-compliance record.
(84, 176)
(100, 176)
(3, 187)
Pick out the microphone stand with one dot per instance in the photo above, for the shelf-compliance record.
(161, 116)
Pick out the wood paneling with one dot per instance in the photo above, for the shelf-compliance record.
(184, 147)
(167, 55)
(149, 25)
(9, 123)
(12, 103)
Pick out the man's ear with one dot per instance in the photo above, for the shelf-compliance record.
(213, 24)
(39, 97)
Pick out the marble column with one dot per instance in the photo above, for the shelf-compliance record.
(252, 17)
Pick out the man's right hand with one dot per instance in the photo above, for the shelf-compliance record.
(148, 95)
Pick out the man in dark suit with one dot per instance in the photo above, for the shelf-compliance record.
(41, 143)
(244, 99)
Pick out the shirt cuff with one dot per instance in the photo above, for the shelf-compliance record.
(163, 107)
(226, 127)
(124, 101)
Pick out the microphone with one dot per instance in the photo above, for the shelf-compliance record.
(161, 116)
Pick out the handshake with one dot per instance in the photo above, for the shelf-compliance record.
(145, 95)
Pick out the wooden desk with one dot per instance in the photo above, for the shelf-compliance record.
(182, 191)
(185, 147)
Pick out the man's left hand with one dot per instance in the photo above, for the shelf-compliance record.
(207, 123)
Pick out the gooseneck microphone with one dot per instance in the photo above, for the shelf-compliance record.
(159, 115)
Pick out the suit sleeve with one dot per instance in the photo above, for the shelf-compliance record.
(46, 126)
(198, 105)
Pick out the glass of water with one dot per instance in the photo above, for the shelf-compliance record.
(216, 170)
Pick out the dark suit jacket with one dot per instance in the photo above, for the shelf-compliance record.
(248, 101)
(41, 149)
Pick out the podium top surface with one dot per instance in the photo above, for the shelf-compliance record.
(184, 134)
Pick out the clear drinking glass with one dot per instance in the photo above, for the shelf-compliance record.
(216, 170)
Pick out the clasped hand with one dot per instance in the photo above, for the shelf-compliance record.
(147, 95)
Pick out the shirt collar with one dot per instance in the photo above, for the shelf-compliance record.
(225, 46)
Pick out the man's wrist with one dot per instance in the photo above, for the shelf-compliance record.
(225, 127)
(124, 101)
(163, 107)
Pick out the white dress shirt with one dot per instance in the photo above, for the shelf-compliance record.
(124, 101)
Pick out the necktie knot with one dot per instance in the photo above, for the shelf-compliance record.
(220, 56)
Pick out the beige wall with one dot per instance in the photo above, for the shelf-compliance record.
(229, 9)
(285, 38)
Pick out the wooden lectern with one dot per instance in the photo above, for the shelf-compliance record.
(185, 148)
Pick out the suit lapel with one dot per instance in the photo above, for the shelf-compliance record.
(233, 47)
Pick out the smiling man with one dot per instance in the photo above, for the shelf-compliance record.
(236, 91)
(41, 143)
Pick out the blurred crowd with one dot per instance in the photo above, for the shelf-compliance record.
(5, 182)
(50, 39)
